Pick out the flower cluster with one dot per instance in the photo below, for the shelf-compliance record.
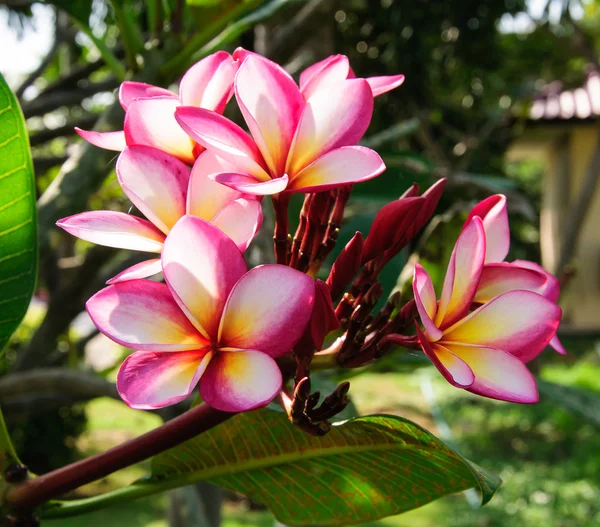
(198, 179)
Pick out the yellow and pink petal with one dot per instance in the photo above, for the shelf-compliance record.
(498, 374)
(114, 229)
(463, 274)
(492, 212)
(498, 278)
(143, 315)
(141, 270)
(107, 140)
(519, 322)
(151, 122)
(154, 379)
(201, 265)
(240, 220)
(426, 302)
(268, 310)
(130, 91)
(271, 104)
(249, 185)
(155, 182)
(241, 380)
(332, 118)
(342, 166)
(224, 138)
(321, 74)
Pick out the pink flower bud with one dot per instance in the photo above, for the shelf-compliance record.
(346, 265)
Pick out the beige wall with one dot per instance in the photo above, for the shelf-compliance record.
(566, 151)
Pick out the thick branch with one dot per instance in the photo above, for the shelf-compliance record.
(48, 103)
(59, 380)
(55, 483)
(67, 130)
(41, 164)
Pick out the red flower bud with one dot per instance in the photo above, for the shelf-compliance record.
(346, 265)
(391, 224)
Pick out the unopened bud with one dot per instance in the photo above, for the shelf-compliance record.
(346, 265)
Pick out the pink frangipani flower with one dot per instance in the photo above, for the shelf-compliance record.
(499, 276)
(212, 323)
(482, 351)
(330, 70)
(296, 145)
(164, 190)
(150, 110)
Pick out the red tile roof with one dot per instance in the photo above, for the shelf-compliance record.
(580, 103)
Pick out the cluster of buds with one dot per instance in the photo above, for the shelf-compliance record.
(199, 180)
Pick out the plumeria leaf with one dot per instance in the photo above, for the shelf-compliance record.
(364, 469)
(18, 245)
(332, 480)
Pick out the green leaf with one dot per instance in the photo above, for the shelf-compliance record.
(18, 244)
(582, 402)
(78, 9)
(364, 469)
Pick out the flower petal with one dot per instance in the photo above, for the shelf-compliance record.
(238, 381)
(130, 90)
(206, 197)
(335, 117)
(143, 315)
(323, 319)
(557, 346)
(519, 322)
(141, 270)
(149, 379)
(462, 276)
(209, 83)
(107, 140)
(224, 138)
(492, 212)
(249, 185)
(348, 164)
(155, 182)
(114, 229)
(151, 122)
(552, 288)
(454, 370)
(498, 374)
(498, 278)
(321, 74)
(268, 309)
(381, 85)
(271, 104)
(426, 302)
(240, 220)
(201, 265)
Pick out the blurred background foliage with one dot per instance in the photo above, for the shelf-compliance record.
(472, 68)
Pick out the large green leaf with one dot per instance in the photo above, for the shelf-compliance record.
(18, 246)
(364, 469)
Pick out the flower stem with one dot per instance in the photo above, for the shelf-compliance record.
(280, 236)
(39, 490)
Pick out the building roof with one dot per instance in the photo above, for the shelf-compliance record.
(558, 104)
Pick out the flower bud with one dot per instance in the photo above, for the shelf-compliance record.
(346, 265)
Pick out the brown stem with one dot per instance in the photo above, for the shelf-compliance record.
(68, 478)
(280, 237)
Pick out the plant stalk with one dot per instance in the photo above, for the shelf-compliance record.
(39, 490)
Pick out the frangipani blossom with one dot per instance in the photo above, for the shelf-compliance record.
(164, 190)
(483, 351)
(331, 70)
(334, 68)
(212, 323)
(150, 110)
(500, 277)
(296, 145)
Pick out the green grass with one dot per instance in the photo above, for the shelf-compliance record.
(548, 457)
